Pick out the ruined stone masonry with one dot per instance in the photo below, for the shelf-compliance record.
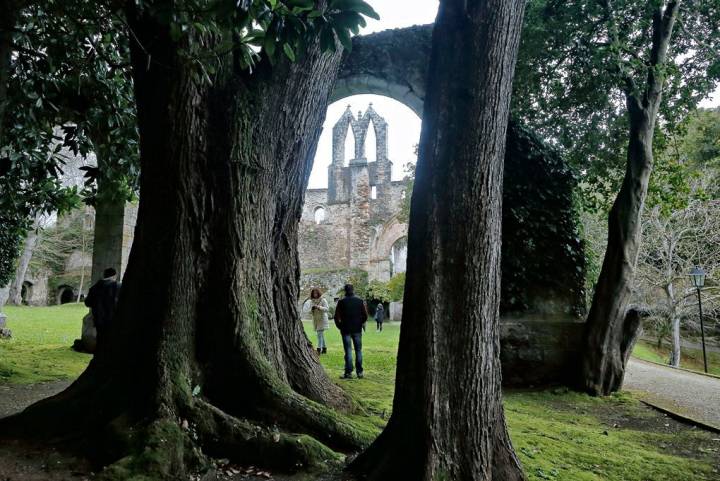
(353, 224)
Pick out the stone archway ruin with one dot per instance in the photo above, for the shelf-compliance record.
(543, 260)
(392, 63)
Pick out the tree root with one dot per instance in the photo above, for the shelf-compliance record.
(300, 414)
(241, 441)
(169, 449)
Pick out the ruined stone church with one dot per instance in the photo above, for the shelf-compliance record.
(355, 223)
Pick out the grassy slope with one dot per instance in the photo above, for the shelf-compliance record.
(689, 359)
(40, 347)
(558, 435)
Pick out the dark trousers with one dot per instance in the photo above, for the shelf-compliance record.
(379, 325)
(350, 341)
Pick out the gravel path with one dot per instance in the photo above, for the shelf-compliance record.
(14, 398)
(692, 395)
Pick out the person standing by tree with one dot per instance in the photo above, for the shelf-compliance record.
(102, 299)
(379, 316)
(350, 317)
(320, 318)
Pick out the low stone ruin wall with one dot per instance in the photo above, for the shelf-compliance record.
(539, 353)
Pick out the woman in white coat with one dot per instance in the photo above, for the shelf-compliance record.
(320, 318)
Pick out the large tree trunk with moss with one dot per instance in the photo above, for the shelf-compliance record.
(207, 336)
(448, 420)
(612, 328)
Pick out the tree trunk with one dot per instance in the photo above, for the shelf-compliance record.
(207, 328)
(603, 366)
(674, 360)
(31, 238)
(4, 294)
(611, 328)
(448, 420)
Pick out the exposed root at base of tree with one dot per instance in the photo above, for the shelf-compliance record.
(169, 448)
(184, 441)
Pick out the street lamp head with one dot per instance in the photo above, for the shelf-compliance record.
(697, 274)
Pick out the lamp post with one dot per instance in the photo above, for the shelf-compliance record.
(697, 274)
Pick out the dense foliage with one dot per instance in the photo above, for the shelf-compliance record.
(577, 61)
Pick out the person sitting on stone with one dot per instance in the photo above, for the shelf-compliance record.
(320, 318)
(102, 299)
(379, 316)
(350, 317)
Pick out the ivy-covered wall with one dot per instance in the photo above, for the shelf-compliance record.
(543, 263)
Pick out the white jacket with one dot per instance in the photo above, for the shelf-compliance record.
(320, 314)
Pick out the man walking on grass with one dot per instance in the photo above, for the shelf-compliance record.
(350, 317)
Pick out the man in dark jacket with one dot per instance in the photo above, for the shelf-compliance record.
(350, 317)
(101, 299)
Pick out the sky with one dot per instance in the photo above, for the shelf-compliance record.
(403, 123)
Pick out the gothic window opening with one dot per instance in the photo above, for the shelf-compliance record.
(398, 256)
(319, 215)
(371, 142)
(349, 148)
(373, 192)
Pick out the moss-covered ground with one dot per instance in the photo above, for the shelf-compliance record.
(559, 435)
(689, 358)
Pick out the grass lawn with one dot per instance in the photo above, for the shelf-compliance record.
(559, 435)
(40, 347)
(689, 358)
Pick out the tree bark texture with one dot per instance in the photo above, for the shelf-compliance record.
(15, 296)
(674, 360)
(609, 323)
(207, 328)
(448, 421)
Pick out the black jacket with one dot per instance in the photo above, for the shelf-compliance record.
(350, 315)
(101, 300)
(379, 313)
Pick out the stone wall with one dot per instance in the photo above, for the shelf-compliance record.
(536, 353)
(114, 230)
(35, 289)
(324, 245)
(358, 228)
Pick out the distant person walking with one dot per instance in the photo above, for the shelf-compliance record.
(350, 317)
(102, 299)
(379, 316)
(320, 318)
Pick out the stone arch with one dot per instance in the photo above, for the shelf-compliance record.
(385, 237)
(398, 256)
(392, 63)
(26, 292)
(319, 214)
(65, 294)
